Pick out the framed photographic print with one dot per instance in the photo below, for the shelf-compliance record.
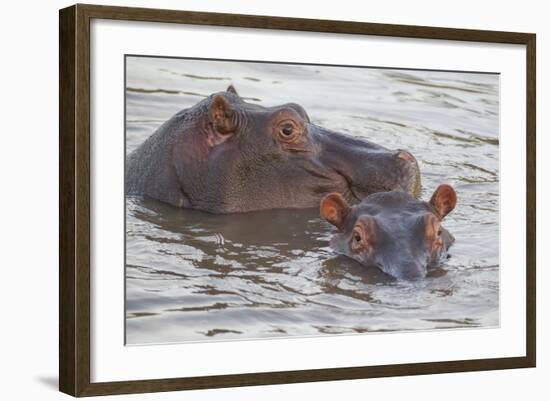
(250, 200)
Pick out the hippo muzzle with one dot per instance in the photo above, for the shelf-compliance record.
(367, 167)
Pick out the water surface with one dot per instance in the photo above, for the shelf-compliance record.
(194, 276)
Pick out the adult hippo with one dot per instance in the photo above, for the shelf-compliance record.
(392, 230)
(225, 155)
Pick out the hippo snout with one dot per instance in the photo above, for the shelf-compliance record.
(409, 270)
(385, 170)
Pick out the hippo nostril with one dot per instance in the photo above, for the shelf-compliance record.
(410, 171)
(407, 156)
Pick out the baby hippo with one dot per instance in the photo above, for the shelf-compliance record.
(392, 230)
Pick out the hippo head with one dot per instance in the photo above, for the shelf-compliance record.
(392, 231)
(229, 155)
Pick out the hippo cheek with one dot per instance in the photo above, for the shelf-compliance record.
(439, 256)
(448, 238)
(441, 253)
(339, 243)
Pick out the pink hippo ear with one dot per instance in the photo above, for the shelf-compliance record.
(334, 209)
(221, 115)
(443, 200)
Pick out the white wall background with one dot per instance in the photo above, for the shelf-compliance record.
(28, 200)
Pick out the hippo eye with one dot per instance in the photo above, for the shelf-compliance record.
(439, 232)
(357, 240)
(287, 130)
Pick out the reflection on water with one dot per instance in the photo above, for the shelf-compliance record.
(193, 276)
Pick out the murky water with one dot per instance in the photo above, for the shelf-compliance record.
(193, 276)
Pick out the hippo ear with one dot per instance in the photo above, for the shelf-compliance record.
(334, 209)
(221, 115)
(443, 200)
(231, 89)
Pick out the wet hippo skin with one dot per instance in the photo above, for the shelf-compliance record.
(225, 155)
(393, 231)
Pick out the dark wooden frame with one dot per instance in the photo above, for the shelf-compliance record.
(74, 199)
